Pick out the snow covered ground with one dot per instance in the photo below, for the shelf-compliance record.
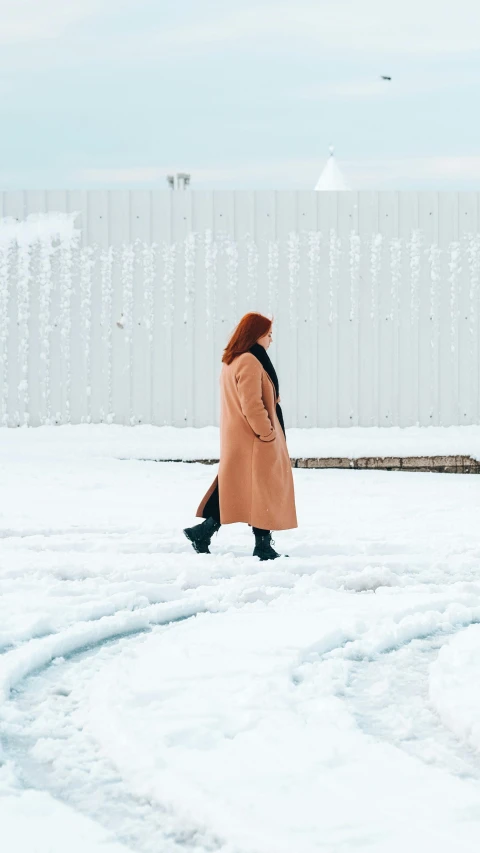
(188, 443)
(152, 699)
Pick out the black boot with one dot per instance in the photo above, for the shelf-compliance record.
(263, 547)
(200, 536)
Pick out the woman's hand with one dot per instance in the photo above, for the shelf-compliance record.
(270, 437)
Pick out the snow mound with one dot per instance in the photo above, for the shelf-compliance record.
(371, 578)
(454, 685)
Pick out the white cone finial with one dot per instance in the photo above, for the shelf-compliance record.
(331, 178)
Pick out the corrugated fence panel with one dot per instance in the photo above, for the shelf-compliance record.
(347, 292)
(444, 301)
(387, 310)
(163, 297)
(203, 330)
(368, 308)
(468, 308)
(306, 344)
(354, 250)
(182, 358)
(34, 200)
(142, 309)
(223, 224)
(119, 228)
(375, 297)
(76, 204)
(97, 323)
(59, 349)
(16, 349)
(288, 284)
(408, 309)
(325, 399)
(428, 311)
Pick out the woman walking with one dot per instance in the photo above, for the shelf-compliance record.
(254, 482)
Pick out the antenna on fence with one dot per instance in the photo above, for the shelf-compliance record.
(180, 182)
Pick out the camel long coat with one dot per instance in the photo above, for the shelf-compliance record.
(255, 474)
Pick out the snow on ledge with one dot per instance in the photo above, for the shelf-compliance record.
(189, 443)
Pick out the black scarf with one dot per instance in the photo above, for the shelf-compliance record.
(261, 353)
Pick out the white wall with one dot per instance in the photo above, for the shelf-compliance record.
(375, 297)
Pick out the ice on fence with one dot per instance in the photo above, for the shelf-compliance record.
(38, 227)
(84, 329)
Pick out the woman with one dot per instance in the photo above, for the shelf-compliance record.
(254, 482)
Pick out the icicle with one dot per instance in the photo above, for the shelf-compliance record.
(354, 256)
(231, 252)
(314, 241)
(396, 276)
(190, 249)
(272, 274)
(4, 330)
(45, 287)
(23, 312)
(252, 272)
(333, 266)
(375, 265)
(87, 262)
(169, 257)
(149, 257)
(433, 257)
(106, 284)
(414, 249)
(127, 260)
(472, 252)
(455, 270)
(66, 290)
(293, 250)
(211, 252)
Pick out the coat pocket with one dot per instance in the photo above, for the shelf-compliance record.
(268, 440)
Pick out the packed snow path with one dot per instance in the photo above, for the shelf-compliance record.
(156, 700)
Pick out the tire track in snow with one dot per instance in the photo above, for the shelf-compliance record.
(389, 699)
(48, 741)
(38, 653)
(385, 685)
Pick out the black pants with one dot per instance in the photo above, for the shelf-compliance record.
(212, 510)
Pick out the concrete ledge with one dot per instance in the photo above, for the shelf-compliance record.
(438, 464)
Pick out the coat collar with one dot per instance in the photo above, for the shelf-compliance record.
(273, 386)
(270, 380)
(262, 356)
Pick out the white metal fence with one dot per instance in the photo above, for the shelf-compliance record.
(375, 298)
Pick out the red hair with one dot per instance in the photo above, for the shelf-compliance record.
(250, 328)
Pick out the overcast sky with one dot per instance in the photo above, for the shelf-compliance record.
(241, 93)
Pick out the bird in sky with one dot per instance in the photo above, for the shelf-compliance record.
(384, 77)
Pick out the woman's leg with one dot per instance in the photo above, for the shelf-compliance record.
(263, 544)
(201, 534)
(212, 507)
